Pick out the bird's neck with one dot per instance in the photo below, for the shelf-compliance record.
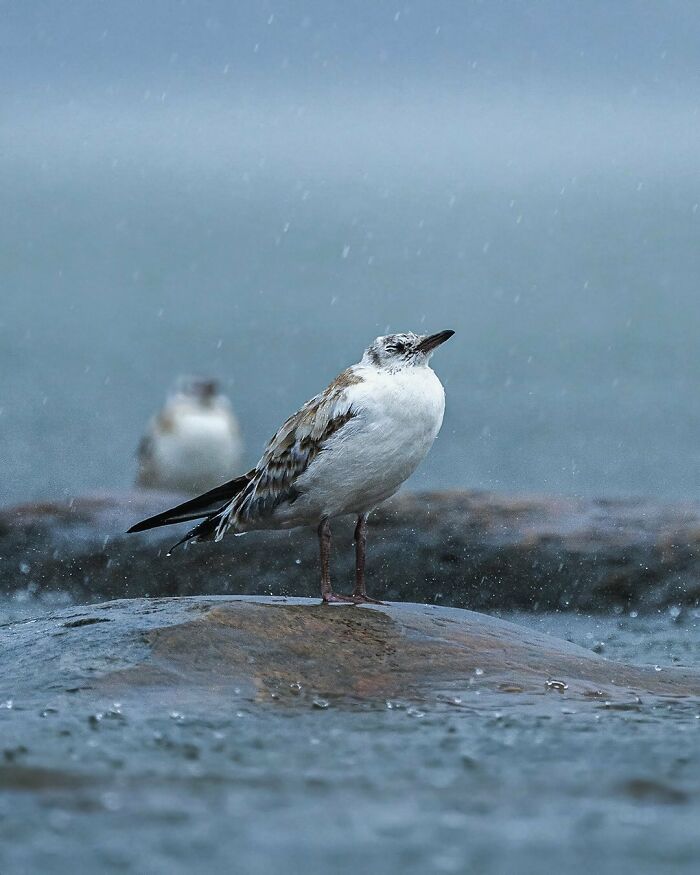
(383, 370)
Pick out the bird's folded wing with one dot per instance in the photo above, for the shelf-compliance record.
(144, 451)
(295, 445)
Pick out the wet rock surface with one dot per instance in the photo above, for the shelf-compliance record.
(286, 651)
(269, 650)
(205, 734)
(463, 549)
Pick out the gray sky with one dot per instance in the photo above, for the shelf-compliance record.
(647, 47)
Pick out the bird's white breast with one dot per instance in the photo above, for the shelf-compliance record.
(397, 418)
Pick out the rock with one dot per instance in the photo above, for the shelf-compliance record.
(453, 548)
(202, 655)
(286, 737)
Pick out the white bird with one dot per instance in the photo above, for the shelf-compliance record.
(345, 451)
(193, 443)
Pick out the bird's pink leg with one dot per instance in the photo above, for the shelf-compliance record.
(359, 594)
(324, 540)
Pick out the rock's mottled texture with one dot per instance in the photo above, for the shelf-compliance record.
(402, 651)
(205, 654)
(465, 549)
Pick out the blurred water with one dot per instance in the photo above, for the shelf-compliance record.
(575, 303)
(255, 195)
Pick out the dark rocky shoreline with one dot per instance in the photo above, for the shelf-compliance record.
(464, 549)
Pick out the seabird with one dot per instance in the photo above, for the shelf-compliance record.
(344, 452)
(193, 443)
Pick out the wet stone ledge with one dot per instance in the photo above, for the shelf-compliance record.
(206, 654)
(464, 549)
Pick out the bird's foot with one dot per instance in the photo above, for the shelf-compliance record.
(359, 599)
(332, 598)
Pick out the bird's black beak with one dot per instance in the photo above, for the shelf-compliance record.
(432, 341)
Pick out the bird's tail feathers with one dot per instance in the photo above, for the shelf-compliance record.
(210, 529)
(207, 505)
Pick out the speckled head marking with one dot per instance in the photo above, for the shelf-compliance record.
(394, 352)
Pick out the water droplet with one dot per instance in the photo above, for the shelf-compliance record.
(321, 703)
(478, 672)
(559, 686)
(111, 801)
(295, 689)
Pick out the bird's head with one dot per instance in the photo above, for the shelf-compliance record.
(394, 352)
(199, 389)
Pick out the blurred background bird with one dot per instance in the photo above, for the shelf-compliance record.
(194, 443)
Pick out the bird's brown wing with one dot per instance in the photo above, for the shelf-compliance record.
(290, 452)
